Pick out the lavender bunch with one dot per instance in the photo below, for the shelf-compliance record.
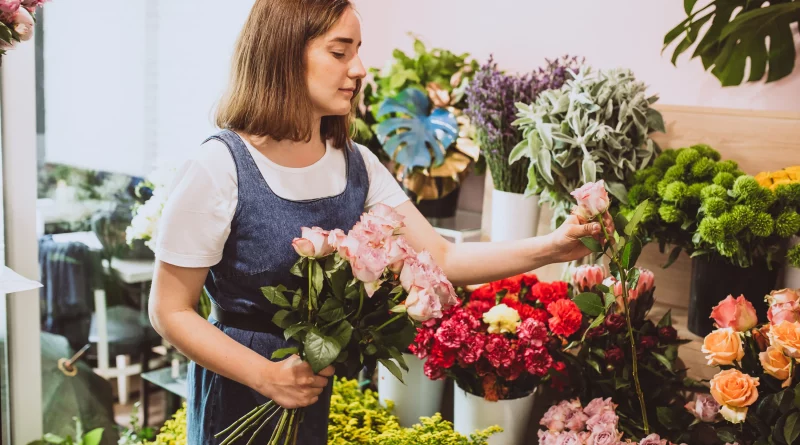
(491, 98)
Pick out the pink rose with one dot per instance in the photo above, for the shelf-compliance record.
(736, 313)
(423, 305)
(387, 213)
(587, 276)
(598, 406)
(704, 408)
(653, 439)
(547, 437)
(397, 250)
(313, 243)
(780, 312)
(569, 438)
(605, 435)
(336, 237)
(369, 264)
(646, 281)
(592, 200)
(373, 230)
(9, 7)
(23, 24)
(783, 296)
(33, 3)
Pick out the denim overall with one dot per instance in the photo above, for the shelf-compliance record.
(259, 253)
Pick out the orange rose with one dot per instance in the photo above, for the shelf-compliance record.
(723, 346)
(786, 336)
(776, 364)
(735, 392)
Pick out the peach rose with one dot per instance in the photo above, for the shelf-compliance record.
(786, 336)
(779, 312)
(422, 304)
(735, 392)
(592, 200)
(782, 296)
(723, 346)
(776, 364)
(736, 313)
(312, 243)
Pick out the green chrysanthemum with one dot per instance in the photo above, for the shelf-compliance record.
(745, 186)
(787, 224)
(706, 151)
(674, 173)
(726, 166)
(643, 175)
(714, 191)
(715, 207)
(711, 230)
(687, 157)
(732, 222)
(743, 214)
(793, 256)
(703, 168)
(728, 247)
(762, 225)
(724, 179)
(761, 200)
(695, 190)
(637, 194)
(665, 160)
(789, 193)
(670, 214)
(651, 186)
(676, 192)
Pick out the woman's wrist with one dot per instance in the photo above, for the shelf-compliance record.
(542, 250)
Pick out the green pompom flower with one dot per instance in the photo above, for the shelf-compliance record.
(670, 214)
(745, 186)
(726, 166)
(761, 200)
(789, 193)
(732, 222)
(651, 186)
(787, 224)
(687, 157)
(706, 151)
(743, 214)
(695, 190)
(665, 160)
(703, 168)
(793, 256)
(643, 175)
(674, 173)
(728, 247)
(714, 191)
(711, 230)
(715, 207)
(724, 179)
(762, 224)
(676, 192)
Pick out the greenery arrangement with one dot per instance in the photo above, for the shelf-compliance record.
(702, 205)
(738, 31)
(595, 127)
(413, 115)
(92, 437)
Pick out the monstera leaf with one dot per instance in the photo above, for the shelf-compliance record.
(730, 40)
(413, 137)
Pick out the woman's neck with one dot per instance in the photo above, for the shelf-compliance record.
(288, 153)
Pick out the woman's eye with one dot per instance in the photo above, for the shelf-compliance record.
(338, 55)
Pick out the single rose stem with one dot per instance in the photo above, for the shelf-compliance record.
(310, 273)
(360, 300)
(392, 320)
(634, 360)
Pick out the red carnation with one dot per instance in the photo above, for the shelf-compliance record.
(483, 293)
(512, 285)
(452, 333)
(560, 377)
(472, 351)
(615, 323)
(479, 307)
(433, 371)
(538, 361)
(442, 357)
(529, 279)
(498, 351)
(667, 334)
(548, 293)
(512, 371)
(532, 332)
(566, 317)
(422, 342)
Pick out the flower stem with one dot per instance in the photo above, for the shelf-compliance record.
(623, 276)
(360, 300)
(392, 320)
(310, 277)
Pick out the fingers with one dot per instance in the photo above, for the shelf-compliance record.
(592, 229)
(319, 382)
(327, 372)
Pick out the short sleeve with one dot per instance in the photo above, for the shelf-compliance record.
(196, 219)
(383, 187)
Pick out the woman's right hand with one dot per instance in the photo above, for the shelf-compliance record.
(291, 383)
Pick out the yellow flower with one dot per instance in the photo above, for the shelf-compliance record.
(502, 319)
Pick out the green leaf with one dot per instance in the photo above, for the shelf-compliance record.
(297, 299)
(618, 190)
(520, 150)
(275, 297)
(664, 361)
(610, 299)
(292, 331)
(797, 396)
(317, 278)
(726, 435)
(666, 320)
(667, 417)
(398, 357)
(331, 310)
(592, 244)
(52, 438)
(399, 309)
(688, 5)
(791, 429)
(320, 350)
(299, 267)
(285, 319)
(593, 364)
(282, 353)
(620, 222)
(342, 333)
(393, 368)
(589, 303)
(543, 161)
(595, 323)
(419, 47)
(588, 170)
(633, 278)
(673, 255)
(633, 225)
(630, 253)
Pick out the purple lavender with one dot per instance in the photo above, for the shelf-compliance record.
(490, 106)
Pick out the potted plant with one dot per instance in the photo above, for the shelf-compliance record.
(734, 229)
(490, 98)
(596, 126)
(413, 117)
(788, 175)
(498, 348)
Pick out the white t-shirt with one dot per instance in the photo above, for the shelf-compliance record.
(196, 219)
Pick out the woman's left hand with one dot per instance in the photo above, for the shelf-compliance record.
(566, 240)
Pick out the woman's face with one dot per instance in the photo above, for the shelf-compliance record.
(334, 66)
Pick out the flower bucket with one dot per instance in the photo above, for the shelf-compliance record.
(418, 397)
(471, 412)
(513, 216)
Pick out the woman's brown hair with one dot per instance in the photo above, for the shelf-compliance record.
(268, 92)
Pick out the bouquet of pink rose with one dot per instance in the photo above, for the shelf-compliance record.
(757, 387)
(17, 18)
(366, 292)
(568, 423)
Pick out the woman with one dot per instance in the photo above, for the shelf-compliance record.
(284, 161)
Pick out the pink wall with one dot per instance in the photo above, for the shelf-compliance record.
(609, 33)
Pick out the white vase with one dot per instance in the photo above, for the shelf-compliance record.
(513, 216)
(471, 413)
(791, 275)
(418, 397)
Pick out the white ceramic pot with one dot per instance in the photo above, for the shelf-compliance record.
(513, 216)
(418, 397)
(471, 413)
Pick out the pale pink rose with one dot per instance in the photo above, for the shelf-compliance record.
(388, 213)
(423, 305)
(592, 200)
(598, 406)
(33, 3)
(373, 230)
(8, 8)
(555, 418)
(606, 417)
(569, 438)
(397, 250)
(653, 439)
(413, 274)
(369, 264)
(646, 281)
(23, 24)
(605, 435)
(349, 246)
(780, 312)
(587, 276)
(736, 313)
(313, 243)
(783, 296)
(336, 237)
(547, 437)
(704, 408)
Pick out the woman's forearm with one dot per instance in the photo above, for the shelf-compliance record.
(473, 263)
